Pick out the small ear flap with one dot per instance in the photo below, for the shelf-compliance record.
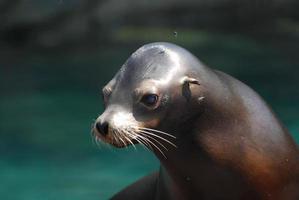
(187, 80)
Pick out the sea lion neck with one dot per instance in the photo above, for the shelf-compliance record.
(190, 171)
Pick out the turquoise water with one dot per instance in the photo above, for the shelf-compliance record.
(48, 104)
(72, 177)
(50, 154)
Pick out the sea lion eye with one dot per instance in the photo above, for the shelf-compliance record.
(149, 99)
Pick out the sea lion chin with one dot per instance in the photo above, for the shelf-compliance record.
(215, 137)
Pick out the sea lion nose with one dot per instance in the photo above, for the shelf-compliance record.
(102, 128)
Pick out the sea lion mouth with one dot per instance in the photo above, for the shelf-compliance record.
(150, 138)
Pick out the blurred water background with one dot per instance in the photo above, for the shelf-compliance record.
(57, 54)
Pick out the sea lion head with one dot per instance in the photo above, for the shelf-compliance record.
(154, 93)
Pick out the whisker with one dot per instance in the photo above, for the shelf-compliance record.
(157, 148)
(93, 138)
(154, 130)
(120, 137)
(150, 133)
(92, 134)
(129, 139)
(154, 146)
(97, 142)
(145, 142)
(154, 140)
(140, 139)
(115, 139)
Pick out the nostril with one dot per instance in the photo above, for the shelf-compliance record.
(98, 127)
(105, 128)
(102, 128)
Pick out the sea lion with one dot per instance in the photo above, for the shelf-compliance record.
(215, 137)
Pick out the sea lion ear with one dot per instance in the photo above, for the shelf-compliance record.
(188, 80)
